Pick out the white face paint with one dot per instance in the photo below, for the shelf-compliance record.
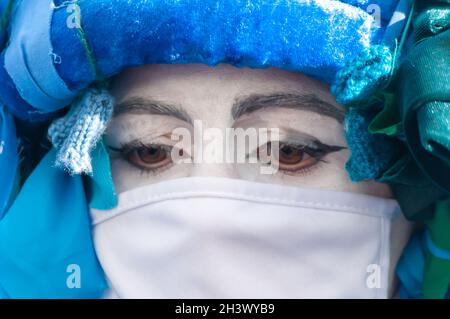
(205, 94)
(155, 101)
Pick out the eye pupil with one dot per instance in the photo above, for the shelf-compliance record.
(291, 155)
(153, 150)
(287, 150)
(151, 155)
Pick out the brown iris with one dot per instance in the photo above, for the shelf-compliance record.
(293, 158)
(149, 157)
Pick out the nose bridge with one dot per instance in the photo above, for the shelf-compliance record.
(210, 151)
(213, 170)
(211, 159)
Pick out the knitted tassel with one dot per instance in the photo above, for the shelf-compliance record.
(76, 134)
(363, 76)
(371, 154)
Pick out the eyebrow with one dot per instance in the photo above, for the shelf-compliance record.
(241, 106)
(307, 102)
(147, 106)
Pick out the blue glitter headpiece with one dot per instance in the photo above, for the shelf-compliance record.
(59, 53)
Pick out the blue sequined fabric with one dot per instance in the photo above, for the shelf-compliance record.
(102, 37)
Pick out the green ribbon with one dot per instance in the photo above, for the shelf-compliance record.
(434, 129)
(415, 193)
(436, 277)
(4, 18)
(431, 21)
(388, 121)
(414, 190)
(423, 90)
(423, 82)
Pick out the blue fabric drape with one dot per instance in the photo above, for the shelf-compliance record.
(46, 230)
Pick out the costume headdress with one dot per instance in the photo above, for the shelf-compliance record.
(382, 58)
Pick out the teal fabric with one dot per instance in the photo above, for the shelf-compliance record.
(414, 191)
(413, 83)
(436, 276)
(362, 77)
(431, 21)
(423, 85)
(412, 265)
(410, 268)
(424, 90)
(46, 230)
(361, 85)
(5, 12)
(100, 186)
(434, 129)
(9, 159)
(47, 227)
(371, 154)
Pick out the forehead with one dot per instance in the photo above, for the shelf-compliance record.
(194, 85)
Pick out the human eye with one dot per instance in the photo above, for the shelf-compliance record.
(295, 157)
(149, 158)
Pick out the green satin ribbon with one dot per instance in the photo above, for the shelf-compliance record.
(424, 85)
(418, 113)
(4, 17)
(423, 90)
(434, 129)
(436, 277)
(431, 20)
(413, 189)
(388, 121)
(415, 193)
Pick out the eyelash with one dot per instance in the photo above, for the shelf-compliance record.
(319, 151)
(315, 149)
(124, 151)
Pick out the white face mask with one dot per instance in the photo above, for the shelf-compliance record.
(223, 238)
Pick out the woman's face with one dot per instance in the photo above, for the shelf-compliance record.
(304, 141)
(303, 125)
